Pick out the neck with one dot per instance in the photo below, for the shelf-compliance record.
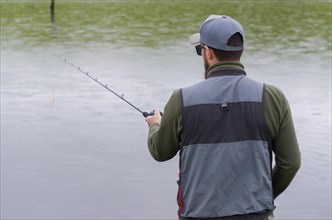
(229, 65)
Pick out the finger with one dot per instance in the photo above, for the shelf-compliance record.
(157, 112)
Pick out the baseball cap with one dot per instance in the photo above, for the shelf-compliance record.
(216, 31)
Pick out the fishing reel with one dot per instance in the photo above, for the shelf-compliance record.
(146, 114)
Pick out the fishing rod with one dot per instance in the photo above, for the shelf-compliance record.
(145, 114)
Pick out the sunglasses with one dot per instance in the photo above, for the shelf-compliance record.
(199, 49)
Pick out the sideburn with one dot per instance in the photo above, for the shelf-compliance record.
(206, 64)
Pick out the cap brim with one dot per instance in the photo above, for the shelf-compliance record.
(195, 39)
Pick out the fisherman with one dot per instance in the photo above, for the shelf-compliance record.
(226, 128)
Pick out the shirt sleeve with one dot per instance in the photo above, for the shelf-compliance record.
(164, 139)
(284, 141)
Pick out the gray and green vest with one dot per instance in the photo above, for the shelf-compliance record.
(225, 155)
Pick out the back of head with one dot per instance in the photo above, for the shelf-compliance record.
(224, 35)
(223, 55)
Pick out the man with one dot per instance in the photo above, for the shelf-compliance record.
(226, 128)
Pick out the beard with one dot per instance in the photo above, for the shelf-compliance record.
(206, 66)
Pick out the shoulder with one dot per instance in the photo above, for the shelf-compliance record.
(273, 90)
(276, 108)
(274, 97)
(174, 104)
(176, 97)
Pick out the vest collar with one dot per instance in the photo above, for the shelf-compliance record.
(226, 69)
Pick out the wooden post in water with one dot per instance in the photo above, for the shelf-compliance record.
(52, 11)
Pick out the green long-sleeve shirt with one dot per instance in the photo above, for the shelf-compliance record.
(164, 139)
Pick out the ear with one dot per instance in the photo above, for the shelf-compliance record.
(208, 52)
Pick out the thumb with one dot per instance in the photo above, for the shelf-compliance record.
(157, 112)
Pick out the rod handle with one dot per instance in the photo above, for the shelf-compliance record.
(146, 114)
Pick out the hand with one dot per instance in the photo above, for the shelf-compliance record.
(156, 118)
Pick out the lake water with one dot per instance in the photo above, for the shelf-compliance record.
(72, 150)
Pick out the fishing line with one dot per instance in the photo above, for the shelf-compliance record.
(145, 114)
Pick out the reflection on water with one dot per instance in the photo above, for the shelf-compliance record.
(86, 156)
(278, 25)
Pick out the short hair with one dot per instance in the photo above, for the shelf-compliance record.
(235, 40)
